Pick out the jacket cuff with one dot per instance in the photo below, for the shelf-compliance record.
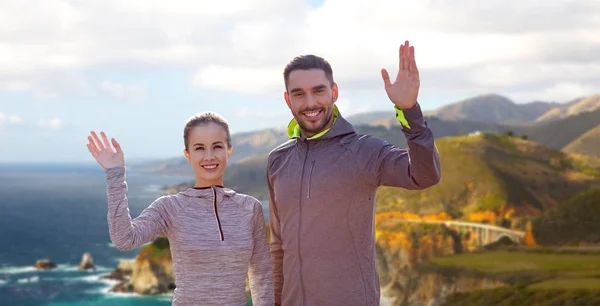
(410, 118)
(115, 173)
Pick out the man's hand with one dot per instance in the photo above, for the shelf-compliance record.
(404, 91)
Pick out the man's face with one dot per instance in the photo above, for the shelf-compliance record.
(310, 97)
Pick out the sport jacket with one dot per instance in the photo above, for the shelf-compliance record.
(322, 204)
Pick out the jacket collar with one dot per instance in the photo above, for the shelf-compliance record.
(340, 127)
(208, 192)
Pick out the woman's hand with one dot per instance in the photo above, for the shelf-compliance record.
(103, 152)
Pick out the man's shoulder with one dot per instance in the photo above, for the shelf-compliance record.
(281, 149)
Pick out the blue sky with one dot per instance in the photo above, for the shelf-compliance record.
(138, 70)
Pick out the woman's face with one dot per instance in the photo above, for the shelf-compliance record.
(208, 153)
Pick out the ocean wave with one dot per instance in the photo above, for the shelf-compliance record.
(3, 282)
(33, 279)
(17, 270)
(14, 270)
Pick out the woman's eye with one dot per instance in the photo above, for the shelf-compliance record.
(218, 147)
(199, 148)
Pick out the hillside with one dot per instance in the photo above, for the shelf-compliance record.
(492, 108)
(499, 174)
(587, 144)
(557, 134)
(576, 107)
(573, 222)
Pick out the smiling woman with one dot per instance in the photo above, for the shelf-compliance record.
(217, 237)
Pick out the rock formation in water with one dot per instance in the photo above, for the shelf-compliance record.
(45, 264)
(87, 262)
(150, 273)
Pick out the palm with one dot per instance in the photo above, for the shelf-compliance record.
(405, 90)
(104, 153)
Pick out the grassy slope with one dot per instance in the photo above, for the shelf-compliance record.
(532, 277)
(556, 135)
(586, 144)
(493, 172)
(575, 221)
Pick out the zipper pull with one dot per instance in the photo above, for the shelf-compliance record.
(310, 178)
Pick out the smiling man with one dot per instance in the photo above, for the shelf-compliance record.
(323, 183)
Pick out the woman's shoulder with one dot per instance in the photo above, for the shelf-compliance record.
(245, 199)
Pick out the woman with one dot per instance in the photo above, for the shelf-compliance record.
(216, 235)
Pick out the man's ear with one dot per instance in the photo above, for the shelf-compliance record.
(334, 92)
(286, 96)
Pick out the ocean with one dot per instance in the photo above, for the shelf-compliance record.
(58, 212)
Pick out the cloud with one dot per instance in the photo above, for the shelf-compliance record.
(12, 119)
(15, 119)
(243, 46)
(122, 91)
(52, 123)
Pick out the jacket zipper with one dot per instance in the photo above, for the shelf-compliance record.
(310, 179)
(217, 213)
(300, 226)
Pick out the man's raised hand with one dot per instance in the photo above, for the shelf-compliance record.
(404, 91)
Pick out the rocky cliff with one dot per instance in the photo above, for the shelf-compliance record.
(402, 248)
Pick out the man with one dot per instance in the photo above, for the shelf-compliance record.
(323, 182)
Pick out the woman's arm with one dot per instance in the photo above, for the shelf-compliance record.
(260, 272)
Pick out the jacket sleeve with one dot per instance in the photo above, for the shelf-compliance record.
(275, 243)
(385, 164)
(125, 233)
(260, 274)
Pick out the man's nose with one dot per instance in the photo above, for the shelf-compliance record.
(311, 100)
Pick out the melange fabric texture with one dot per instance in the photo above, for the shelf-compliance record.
(216, 236)
(322, 204)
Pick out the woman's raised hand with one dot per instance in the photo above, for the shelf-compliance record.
(104, 153)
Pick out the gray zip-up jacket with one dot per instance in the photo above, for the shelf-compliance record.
(215, 235)
(322, 204)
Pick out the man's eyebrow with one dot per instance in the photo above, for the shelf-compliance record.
(295, 90)
(320, 86)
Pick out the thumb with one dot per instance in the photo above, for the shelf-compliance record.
(117, 146)
(386, 77)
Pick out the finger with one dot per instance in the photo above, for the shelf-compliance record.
(413, 63)
(97, 140)
(406, 56)
(401, 58)
(105, 140)
(92, 143)
(93, 150)
(386, 78)
(117, 146)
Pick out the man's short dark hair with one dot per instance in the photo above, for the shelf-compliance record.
(305, 62)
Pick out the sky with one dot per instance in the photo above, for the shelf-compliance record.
(139, 69)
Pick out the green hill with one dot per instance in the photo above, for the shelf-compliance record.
(575, 221)
(587, 144)
(557, 134)
(491, 172)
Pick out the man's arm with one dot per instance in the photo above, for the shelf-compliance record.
(385, 164)
(275, 240)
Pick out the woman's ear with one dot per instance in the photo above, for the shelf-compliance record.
(187, 155)
(229, 151)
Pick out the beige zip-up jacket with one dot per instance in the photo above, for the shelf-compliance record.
(216, 236)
